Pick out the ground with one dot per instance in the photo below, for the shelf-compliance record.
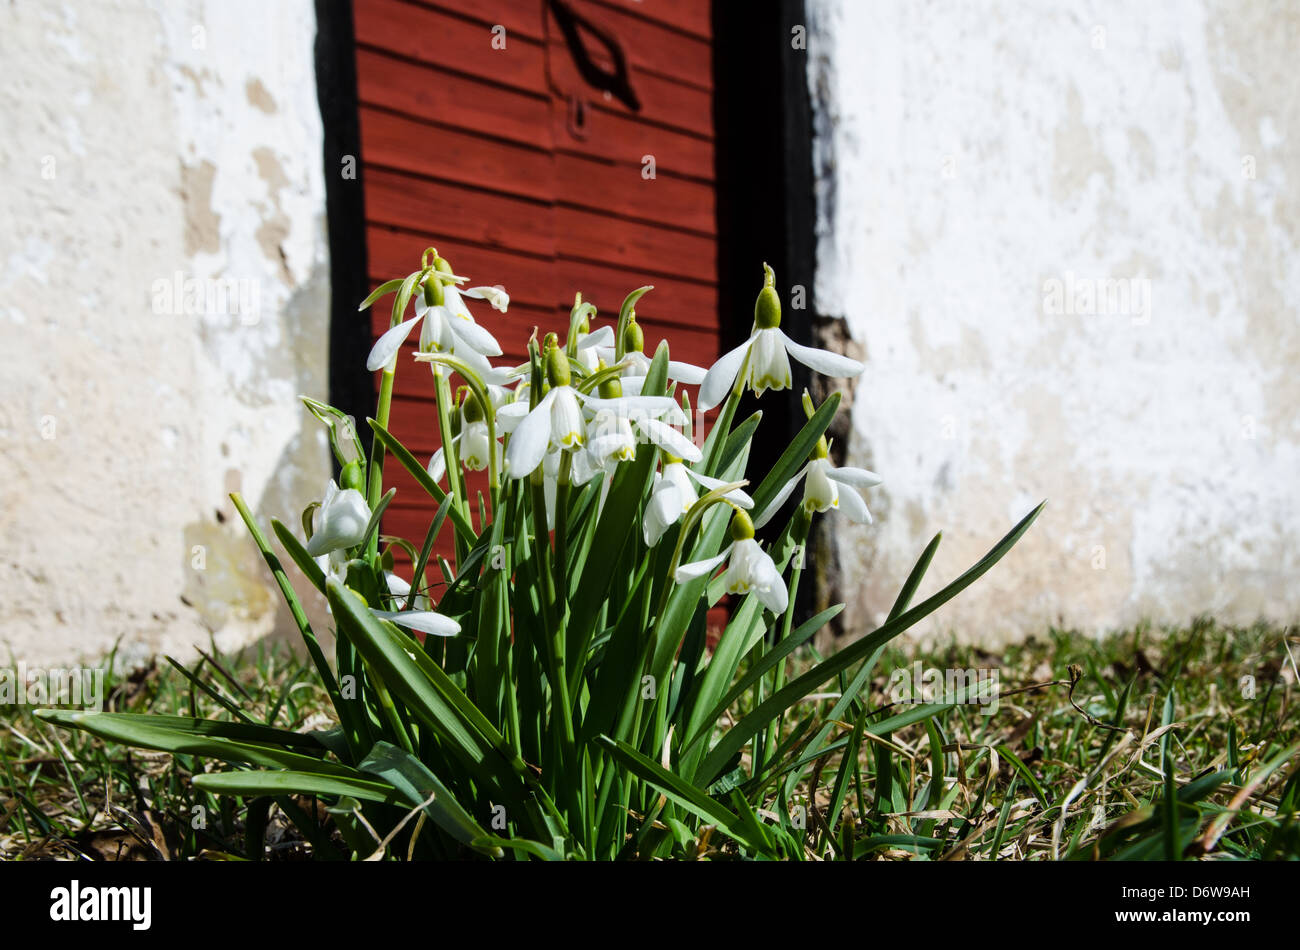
(1070, 765)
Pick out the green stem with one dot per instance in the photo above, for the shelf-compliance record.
(375, 485)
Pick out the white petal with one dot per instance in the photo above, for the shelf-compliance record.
(722, 376)
(664, 509)
(666, 437)
(474, 336)
(819, 492)
(343, 522)
(425, 621)
(604, 336)
(386, 347)
(629, 406)
(690, 572)
(496, 296)
(632, 385)
(736, 496)
(531, 437)
(823, 361)
(396, 585)
(857, 477)
(435, 337)
(770, 589)
(854, 508)
(687, 373)
(510, 415)
(775, 504)
(769, 367)
(568, 428)
(437, 466)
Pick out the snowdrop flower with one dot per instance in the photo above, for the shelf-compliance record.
(448, 326)
(826, 487)
(768, 351)
(749, 568)
(473, 442)
(619, 422)
(673, 495)
(340, 521)
(591, 344)
(423, 621)
(557, 420)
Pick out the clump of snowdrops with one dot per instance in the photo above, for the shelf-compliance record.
(549, 690)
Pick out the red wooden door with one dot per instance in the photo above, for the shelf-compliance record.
(481, 136)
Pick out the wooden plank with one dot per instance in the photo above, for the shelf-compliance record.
(430, 92)
(586, 235)
(583, 182)
(409, 145)
(679, 302)
(625, 140)
(663, 101)
(519, 18)
(691, 16)
(481, 217)
(529, 280)
(432, 36)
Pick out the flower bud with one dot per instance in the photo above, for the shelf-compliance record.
(742, 526)
(351, 476)
(633, 336)
(433, 295)
(557, 363)
(767, 308)
(611, 388)
(471, 408)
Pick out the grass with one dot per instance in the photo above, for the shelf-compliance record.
(1146, 745)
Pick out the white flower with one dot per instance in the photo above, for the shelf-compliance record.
(557, 420)
(769, 365)
(473, 444)
(827, 487)
(448, 328)
(673, 495)
(424, 621)
(769, 351)
(618, 423)
(340, 521)
(749, 569)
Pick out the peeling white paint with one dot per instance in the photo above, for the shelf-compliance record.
(968, 155)
(134, 150)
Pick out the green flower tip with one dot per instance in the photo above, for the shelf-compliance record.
(742, 526)
(471, 408)
(633, 335)
(352, 477)
(557, 363)
(767, 308)
(610, 388)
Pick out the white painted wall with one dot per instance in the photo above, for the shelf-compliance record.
(971, 154)
(146, 139)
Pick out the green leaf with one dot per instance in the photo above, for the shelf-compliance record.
(387, 287)
(297, 783)
(425, 480)
(409, 776)
(243, 743)
(680, 791)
